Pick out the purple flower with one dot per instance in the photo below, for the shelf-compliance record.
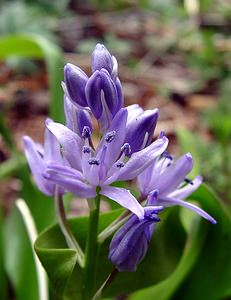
(89, 168)
(38, 157)
(130, 243)
(168, 178)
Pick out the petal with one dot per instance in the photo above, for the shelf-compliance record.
(113, 148)
(69, 179)
(70, 142)
(139, 161)
(51, 146)
(124, 198)
(110, 92)
(171, 178)
(138, 128)
(93, 94)
(187, 190)
(172, 201)
(70, 114)
(132, 247)
(134, 111)
(75, 80)
(119, 93)
(101, 58)
(37, 166)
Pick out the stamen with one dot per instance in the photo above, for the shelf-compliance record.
(110, 136)
(86, 149)
(93, 161)
(120, 164)
(188, 181)
(126, 149)
(152, 216)
(165, 154)
(86, 133)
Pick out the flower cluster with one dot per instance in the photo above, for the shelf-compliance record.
(125, 151)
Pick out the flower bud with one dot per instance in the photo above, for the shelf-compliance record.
(130, 243)
(75, 80)
(102, 97)
(101, 59)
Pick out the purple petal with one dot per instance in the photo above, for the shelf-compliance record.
(70, 114)
(118, 126)
(141, 160)
(124, 198)
(83, 120)
(37, 166)
(70, 142)
(93, 94)
(69, 179)
(187, 190)
(75, 80)
(132, 247)
(134, 111)
(110, 93)
(139, 127)
(51, 146)
(171, 178)
(101, 58)
(119, 94)
(172, 201)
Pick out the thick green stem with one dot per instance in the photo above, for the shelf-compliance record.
(70, 239)
(92, 247)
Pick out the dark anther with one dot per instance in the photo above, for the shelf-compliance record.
(93, 161)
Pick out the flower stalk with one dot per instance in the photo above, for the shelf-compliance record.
(92, 249)
(62, 220)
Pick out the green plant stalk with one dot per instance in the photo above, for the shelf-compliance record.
(64, 226)
(92, 249)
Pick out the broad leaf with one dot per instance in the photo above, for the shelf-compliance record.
(66, 279)
(210, 276)
(3, 289)
(19, 261)
(206, 257)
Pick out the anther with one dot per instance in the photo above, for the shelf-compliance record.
(126, 149)
(86, 133)
(110, 136)
(120, 164)
(93, 161)
(86, 149)
(188, 181)
(165, 154)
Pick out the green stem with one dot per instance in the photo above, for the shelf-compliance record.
(92, 247)
(70, 239)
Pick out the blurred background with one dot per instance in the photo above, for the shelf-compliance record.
(174, 55)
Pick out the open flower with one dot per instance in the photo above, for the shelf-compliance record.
(111, 161)
(168, 178)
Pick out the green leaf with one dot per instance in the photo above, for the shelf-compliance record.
(210, 276)
(206, 257)
(50, 247)
(3, 287)
(36, 46)
(19, 261)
